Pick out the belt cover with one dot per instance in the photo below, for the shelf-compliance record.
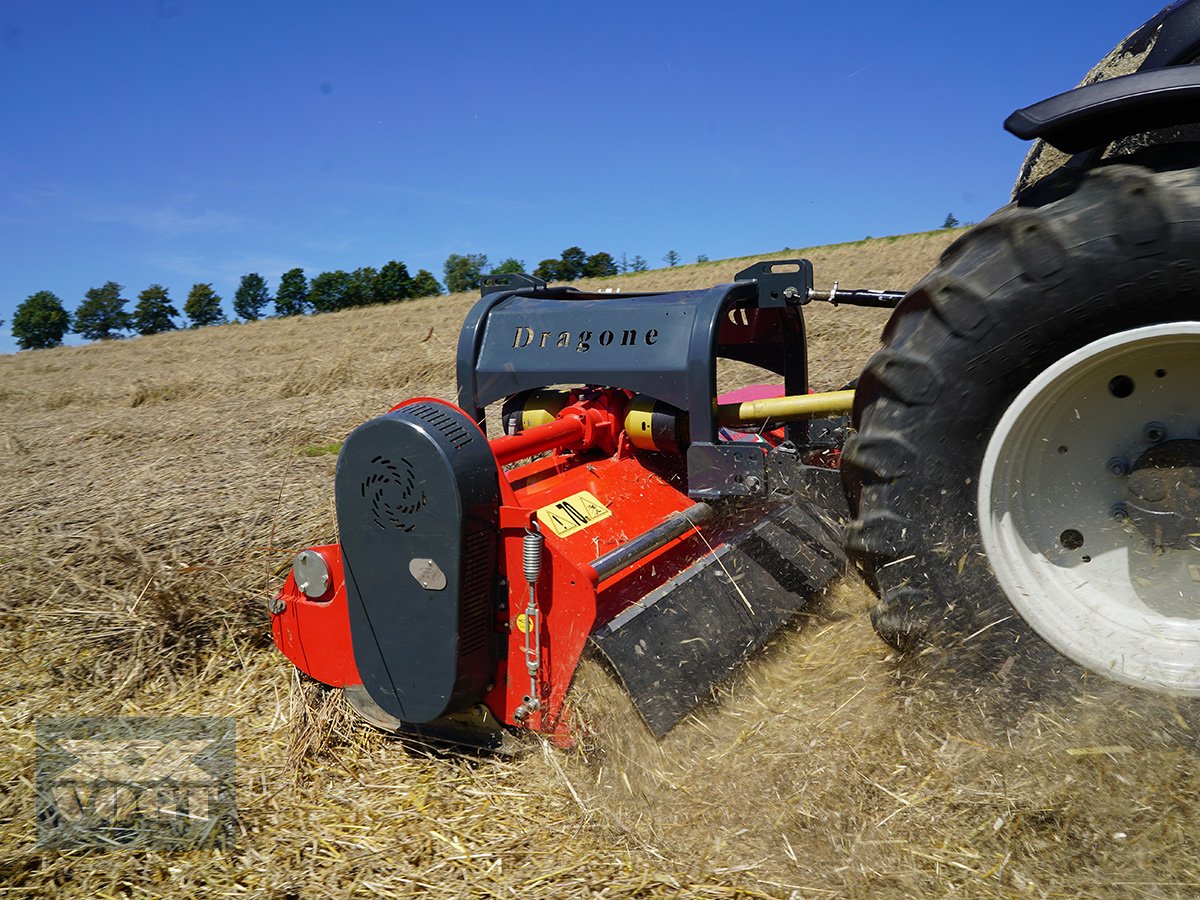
(417, 500)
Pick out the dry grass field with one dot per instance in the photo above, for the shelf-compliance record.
(152, 491)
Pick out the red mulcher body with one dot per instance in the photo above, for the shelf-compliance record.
(471, 574)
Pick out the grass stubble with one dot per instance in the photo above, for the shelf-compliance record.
(155, 489)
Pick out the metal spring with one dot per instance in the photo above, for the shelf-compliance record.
(531, 555)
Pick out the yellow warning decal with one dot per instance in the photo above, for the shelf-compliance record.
(573, 514)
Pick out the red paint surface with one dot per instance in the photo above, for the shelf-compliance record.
(315, 634)
(588, 452)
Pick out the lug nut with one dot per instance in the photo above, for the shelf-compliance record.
(1154, 432)
(1118, 466)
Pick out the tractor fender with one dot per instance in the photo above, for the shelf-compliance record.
(1096, 114)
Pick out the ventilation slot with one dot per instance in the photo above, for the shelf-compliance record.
(478, 566)
(444, 420)
(391, 493)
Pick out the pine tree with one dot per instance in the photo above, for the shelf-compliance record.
(574, 261)
(393, 283)
(102, 313)
(549, 270)
(950, 222)
(599, 265)
(203, 306)
(637, 264)
(153, 312)
(252, 297)
(672, 258)
(292, 297)
(40, 322)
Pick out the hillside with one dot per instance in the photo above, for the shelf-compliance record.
(153, 490)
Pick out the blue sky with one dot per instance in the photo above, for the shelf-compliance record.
(177, 141)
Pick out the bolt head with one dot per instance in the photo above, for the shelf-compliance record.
(1155, 432)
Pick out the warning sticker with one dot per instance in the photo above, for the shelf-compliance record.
(573, 514)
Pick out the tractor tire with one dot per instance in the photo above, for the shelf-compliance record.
(1029, 392)
(1046, 167)
(1043, 161)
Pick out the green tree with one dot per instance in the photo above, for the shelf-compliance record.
(252, 297)
(510, 266)
(548, 270)
(424, 285)
(599, 265)
(102, 313)
(292, 297)
(573, 265)
(393, 283)
(361, 290)
(40, 322)
(327, 291)
(672, 258)
(203, 306)
(464, 273)
(702, 257)
(950, 222)
(637, 264)
(153, 312)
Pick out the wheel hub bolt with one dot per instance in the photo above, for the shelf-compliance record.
(1118, 466)
(1120, 511)
(1155, 432)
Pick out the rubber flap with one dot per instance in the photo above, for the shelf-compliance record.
(673, 647)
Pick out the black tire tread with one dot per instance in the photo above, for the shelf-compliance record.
(1019, 290)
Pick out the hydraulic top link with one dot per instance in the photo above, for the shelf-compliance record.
(839, 296)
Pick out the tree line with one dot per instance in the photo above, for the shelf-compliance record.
(465, 272)
(42, 321)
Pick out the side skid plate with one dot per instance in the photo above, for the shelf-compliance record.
(474, 728)
(675, 645)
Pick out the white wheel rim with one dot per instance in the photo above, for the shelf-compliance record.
(1114, 605)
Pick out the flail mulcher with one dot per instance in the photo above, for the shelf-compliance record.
(623, 507)
(1022, 467)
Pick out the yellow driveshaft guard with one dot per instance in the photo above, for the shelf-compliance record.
(784, 409)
